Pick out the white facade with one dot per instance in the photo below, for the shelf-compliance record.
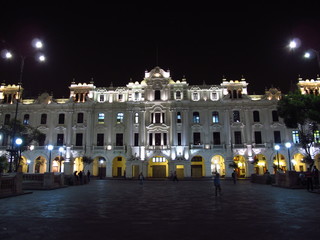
(156, 126)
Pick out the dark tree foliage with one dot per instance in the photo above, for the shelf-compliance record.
(301, 112)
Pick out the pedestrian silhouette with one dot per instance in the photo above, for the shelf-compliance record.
(141, 178)
(217, 184)
(88, 175)
(175, 177)
(234, 176)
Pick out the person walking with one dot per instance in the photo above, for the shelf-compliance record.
(217, 183)
(175, 177)
(309, 179)
(88, 175)
(234, 176)
(80, 177)
(315, 173)
(141, 178)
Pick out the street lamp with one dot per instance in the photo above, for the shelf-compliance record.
(60, 158)
(277, 147)
(288, 146)
(101, 162)
(36, 43)
(50, 147)
(295, 43)
(18, 142)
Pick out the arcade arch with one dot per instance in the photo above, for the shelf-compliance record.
(218, 165)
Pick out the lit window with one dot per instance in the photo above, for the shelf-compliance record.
(316, 136)
(101, 118)
(136, 118)
(215, 117)
(26, 119)
(214, 96)
(120, 118)
(295, 136)
(178, 117)
(195, 96)
(158, 159)
(178, 95)
(136, 96)
(196, 117)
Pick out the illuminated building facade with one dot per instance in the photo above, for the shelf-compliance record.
(157, 126)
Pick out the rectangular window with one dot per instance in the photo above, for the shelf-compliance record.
(178, 117)
(43, 119)
(196, 117)
(26, 119)
(79, 139)
(120, 117)
(119, 139)
(214, 96)
(157, 95)
(7, 119)
(61, 118)
(236, 116)
(275, 116)
(80, 118)
(179, 139)
(215, 117)
(101, 98)
(277, 137)
(100, 139)
(101, 118)
(157, 117)
(150, 139)
(60, 137)
(257, 137)
(237, 137)
(256, 116)
(164, 138)
(295, 136)
(178, 95)
(216, 138)
(136, 139)
(157, 138)
(196, 138)
(136, 118)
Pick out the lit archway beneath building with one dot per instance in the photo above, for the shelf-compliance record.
(118, 167)
(58, 164)
(40, 165)
(197, 167)
(99, 167)
(241, 163)
(158, 167)
(298, 164)
(218, 165)
(260, 164)
(279, 161)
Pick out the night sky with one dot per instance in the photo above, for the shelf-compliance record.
(113, 43)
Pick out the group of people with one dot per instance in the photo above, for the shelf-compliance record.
(79, 176)
(310, 178)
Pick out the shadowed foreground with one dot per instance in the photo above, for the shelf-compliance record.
(124, 209)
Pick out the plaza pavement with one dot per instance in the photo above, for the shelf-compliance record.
(124, 209)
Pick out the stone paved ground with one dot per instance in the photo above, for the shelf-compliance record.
(124, 209)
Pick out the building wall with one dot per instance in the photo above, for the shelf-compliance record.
(157, 100)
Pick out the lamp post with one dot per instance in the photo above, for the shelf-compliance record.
(295, 43)
(277, 147)
(36, 43)
(288, 146)
(60, 157)
(101, 162)
(50, 147)
(18, 142)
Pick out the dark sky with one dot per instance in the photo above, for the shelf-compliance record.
(116, 42)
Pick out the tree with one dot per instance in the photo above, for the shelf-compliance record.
(3, 163)
(301, 112)
(27, 133)
(86, 161)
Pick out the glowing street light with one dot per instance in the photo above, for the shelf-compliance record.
(288, 146)
(36, 43)
(50, 147)
(277, 147)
